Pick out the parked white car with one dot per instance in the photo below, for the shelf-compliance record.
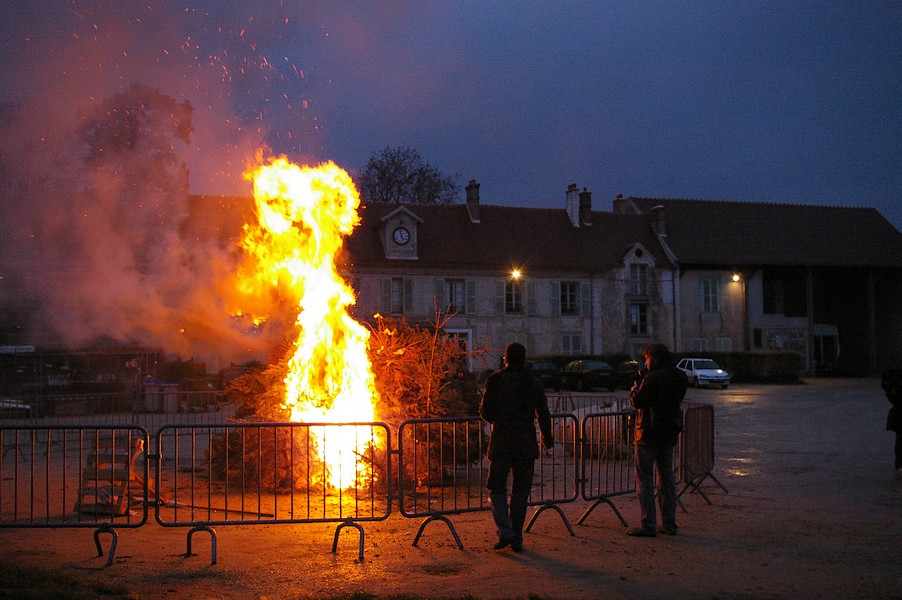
(704, 371)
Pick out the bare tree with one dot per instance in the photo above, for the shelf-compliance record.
(401, 176)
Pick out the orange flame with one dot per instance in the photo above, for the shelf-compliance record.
(304, 214)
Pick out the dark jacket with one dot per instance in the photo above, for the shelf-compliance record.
(512, 401)
(657, 399)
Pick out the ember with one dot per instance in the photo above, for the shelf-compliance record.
(303, 214)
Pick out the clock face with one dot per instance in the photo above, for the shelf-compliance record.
(401, 236)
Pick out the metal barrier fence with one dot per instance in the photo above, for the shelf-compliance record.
(74, 477)
(205, 475)
(606, 460)
(696, 448)
(443, 470)
(266, 473)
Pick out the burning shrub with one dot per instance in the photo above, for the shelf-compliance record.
(420, 372)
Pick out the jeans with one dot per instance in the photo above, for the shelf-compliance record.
(509, 519)
(651, 460)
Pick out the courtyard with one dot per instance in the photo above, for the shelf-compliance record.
(813, 510)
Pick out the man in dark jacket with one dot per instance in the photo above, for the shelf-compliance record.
(656, 429)
(512, 402)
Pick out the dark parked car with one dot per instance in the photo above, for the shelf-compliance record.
(584, 375)
(548, 373)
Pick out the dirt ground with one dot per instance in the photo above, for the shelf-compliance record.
(813, 510)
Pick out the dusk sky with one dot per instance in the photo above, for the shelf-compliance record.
(791, 102)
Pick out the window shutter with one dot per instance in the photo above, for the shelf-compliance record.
(408, 295)
(499, 297)
(555, 298)
(471, 297)
(585, 298)
(439, 291)
(386, 296)
(532, 303)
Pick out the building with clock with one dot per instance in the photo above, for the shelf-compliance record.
(700, 276)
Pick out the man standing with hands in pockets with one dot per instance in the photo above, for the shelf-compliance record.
(656, 429)
(513, 400)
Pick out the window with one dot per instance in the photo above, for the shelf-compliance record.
(639, 279)
(783, 293)
(463, 337)
(699, 345)
(513, 297)
(571, 343)
(397, 295)
(455, 295)
(638, 318)
(724, 344)
(569, 298)
(710, 294)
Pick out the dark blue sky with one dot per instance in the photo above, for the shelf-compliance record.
(752, 101)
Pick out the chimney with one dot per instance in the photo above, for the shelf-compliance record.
(619, 204)
(585, 207)
(473, 201)
(573, 204)
(657, 221)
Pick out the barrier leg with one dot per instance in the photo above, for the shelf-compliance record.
(695, 484)
(348, 523)
(115, 536)
(447, 521)
(212, 533)
(554, 507)
(719, 484)
(597, 502)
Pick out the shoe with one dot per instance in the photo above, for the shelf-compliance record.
(641, 532)
(667, 530)
(502, 544)
(517, 547)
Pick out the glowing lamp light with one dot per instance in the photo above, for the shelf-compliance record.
(737, 277)
(516, 274)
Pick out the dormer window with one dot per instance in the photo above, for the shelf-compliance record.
(639, 279)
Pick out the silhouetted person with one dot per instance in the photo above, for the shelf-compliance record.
(656, 429)
(513, 400)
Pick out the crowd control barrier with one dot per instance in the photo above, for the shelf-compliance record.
(74, 477)
(607, 460)
(442, 469)
(696, 448)
(202, 476)
(268, 473)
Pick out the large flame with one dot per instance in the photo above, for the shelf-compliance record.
(304, 213)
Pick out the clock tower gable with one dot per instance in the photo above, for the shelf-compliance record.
(398, 232)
